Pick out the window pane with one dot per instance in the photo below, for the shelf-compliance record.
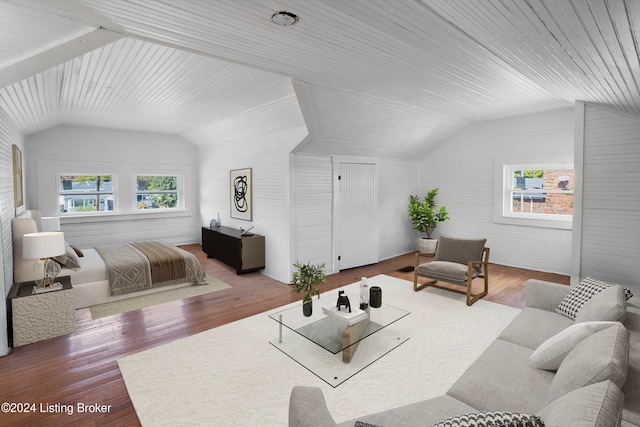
(86, 183)
(85, 193)
(85, 203)
(156, 192)
(548, 191)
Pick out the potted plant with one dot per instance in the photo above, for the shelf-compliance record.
(306, 279)
(425, 218)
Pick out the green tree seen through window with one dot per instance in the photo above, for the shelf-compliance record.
(528, 174)
(162, 190)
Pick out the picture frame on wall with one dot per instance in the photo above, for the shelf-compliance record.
(241, 182)
(18, 192)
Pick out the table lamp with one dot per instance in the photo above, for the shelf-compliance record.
(44, 246)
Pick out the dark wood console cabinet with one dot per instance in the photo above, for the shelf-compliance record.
(244, 253)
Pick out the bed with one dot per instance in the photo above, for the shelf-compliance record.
(112, 272)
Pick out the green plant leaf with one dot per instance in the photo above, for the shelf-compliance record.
(307, 277)
(423, 214)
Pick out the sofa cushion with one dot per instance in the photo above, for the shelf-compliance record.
(578, 296)
(608, 304)
(596, 405)
(631, 389)
(533, 326)
(504, 369)
(308, 408)
(550, 354)
(492, 419)
(602, 356)
(419, 414)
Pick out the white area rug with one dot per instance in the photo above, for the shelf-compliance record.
(122, 306)
(232, 376)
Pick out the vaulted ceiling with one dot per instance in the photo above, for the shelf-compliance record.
(388, 78)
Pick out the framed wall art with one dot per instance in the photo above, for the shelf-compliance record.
(18, 193)
(241, 183)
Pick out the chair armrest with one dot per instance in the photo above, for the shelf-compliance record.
(307, 408)
(483, 263)
(544, 295)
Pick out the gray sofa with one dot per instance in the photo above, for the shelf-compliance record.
(595, 383)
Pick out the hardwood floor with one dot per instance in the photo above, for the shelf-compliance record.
(82, 367)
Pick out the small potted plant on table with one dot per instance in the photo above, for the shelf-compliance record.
(306, 278)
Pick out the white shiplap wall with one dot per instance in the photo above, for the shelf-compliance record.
(312, 178)
(9, 135)
(610, 233)
(124, 153)
(398, 179)
(261, 139)
(312, 199)
(464, 169)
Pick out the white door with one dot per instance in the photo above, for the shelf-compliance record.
(355, 214)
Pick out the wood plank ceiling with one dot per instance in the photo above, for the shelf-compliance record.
(381, 77)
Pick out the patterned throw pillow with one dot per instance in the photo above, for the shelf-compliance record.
(69, 259)
(492, 419)
(588, 287)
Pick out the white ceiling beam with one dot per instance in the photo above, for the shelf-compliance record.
(56, 55)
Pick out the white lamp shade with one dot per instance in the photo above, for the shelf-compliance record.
(43, 245)
(50, 223)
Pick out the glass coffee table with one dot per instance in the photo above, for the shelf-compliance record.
(326, 343)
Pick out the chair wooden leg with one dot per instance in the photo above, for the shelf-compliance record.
(417, 286)
(472, 298)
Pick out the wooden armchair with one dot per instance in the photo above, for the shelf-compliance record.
(457, 261)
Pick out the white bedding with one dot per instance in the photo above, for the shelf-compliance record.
(92, 268)
(91, 283)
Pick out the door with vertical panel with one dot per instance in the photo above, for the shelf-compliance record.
(355, 210)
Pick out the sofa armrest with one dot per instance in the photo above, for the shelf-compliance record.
(307, 408)
(544, 295)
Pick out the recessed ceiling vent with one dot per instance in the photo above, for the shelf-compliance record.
(284, 18)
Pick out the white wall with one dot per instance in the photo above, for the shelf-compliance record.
(464, 169)
(9, 135)
(71, 149)
(398, 180)
(312, 178)
(608, 240)
(268, 156)
(312, 199)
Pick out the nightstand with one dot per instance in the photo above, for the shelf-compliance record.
(37, 317)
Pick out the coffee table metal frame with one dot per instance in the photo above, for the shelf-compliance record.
(340, 340)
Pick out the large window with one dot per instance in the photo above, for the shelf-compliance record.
(85, 193)
(157, 192)
(537, 194)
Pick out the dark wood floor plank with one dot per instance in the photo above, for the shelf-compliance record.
(82, 367)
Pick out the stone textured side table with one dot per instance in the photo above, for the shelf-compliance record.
(37, 317)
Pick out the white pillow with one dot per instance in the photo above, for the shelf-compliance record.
(550, 354)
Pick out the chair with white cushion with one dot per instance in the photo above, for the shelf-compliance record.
(457, 261)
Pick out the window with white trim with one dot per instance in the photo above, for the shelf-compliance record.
(537, 194)
(157, 192)
(86, 193)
